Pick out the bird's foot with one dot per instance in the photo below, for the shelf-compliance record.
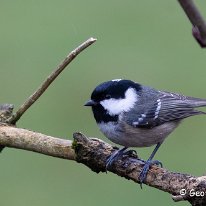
(130, 153)
(145, 169)
(121, 152)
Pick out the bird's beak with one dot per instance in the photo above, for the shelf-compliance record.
(90, 103)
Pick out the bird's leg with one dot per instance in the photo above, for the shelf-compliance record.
(148, 163)
(114, 156)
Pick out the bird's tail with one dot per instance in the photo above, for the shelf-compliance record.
(196, 102)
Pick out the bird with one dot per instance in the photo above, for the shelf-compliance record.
(133, 115)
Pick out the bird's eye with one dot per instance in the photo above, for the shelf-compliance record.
(108, 96)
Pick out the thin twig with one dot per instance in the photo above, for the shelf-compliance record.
(93, 153)
(49, 80)
(198, 22)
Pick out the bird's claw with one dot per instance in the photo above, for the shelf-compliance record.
(145, 169)
(157, 162)
(130, 153)
(116, 154)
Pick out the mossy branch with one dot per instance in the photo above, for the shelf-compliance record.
(94, 152)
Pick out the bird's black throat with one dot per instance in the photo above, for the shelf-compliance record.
(101, 115)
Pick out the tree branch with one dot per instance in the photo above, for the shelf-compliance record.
(94, 152)
(198, 22)
(49, 80)
(36, 142)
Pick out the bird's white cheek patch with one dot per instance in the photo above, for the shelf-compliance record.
(117, 106)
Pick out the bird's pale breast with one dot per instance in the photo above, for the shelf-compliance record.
(129, 136)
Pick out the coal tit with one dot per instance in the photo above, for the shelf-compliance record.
(133, 115)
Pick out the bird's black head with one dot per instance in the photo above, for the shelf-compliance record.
(111, 98)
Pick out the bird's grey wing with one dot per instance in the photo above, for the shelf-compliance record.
(175, 106)
(167, 107)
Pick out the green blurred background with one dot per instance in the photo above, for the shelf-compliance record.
(146, 41)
